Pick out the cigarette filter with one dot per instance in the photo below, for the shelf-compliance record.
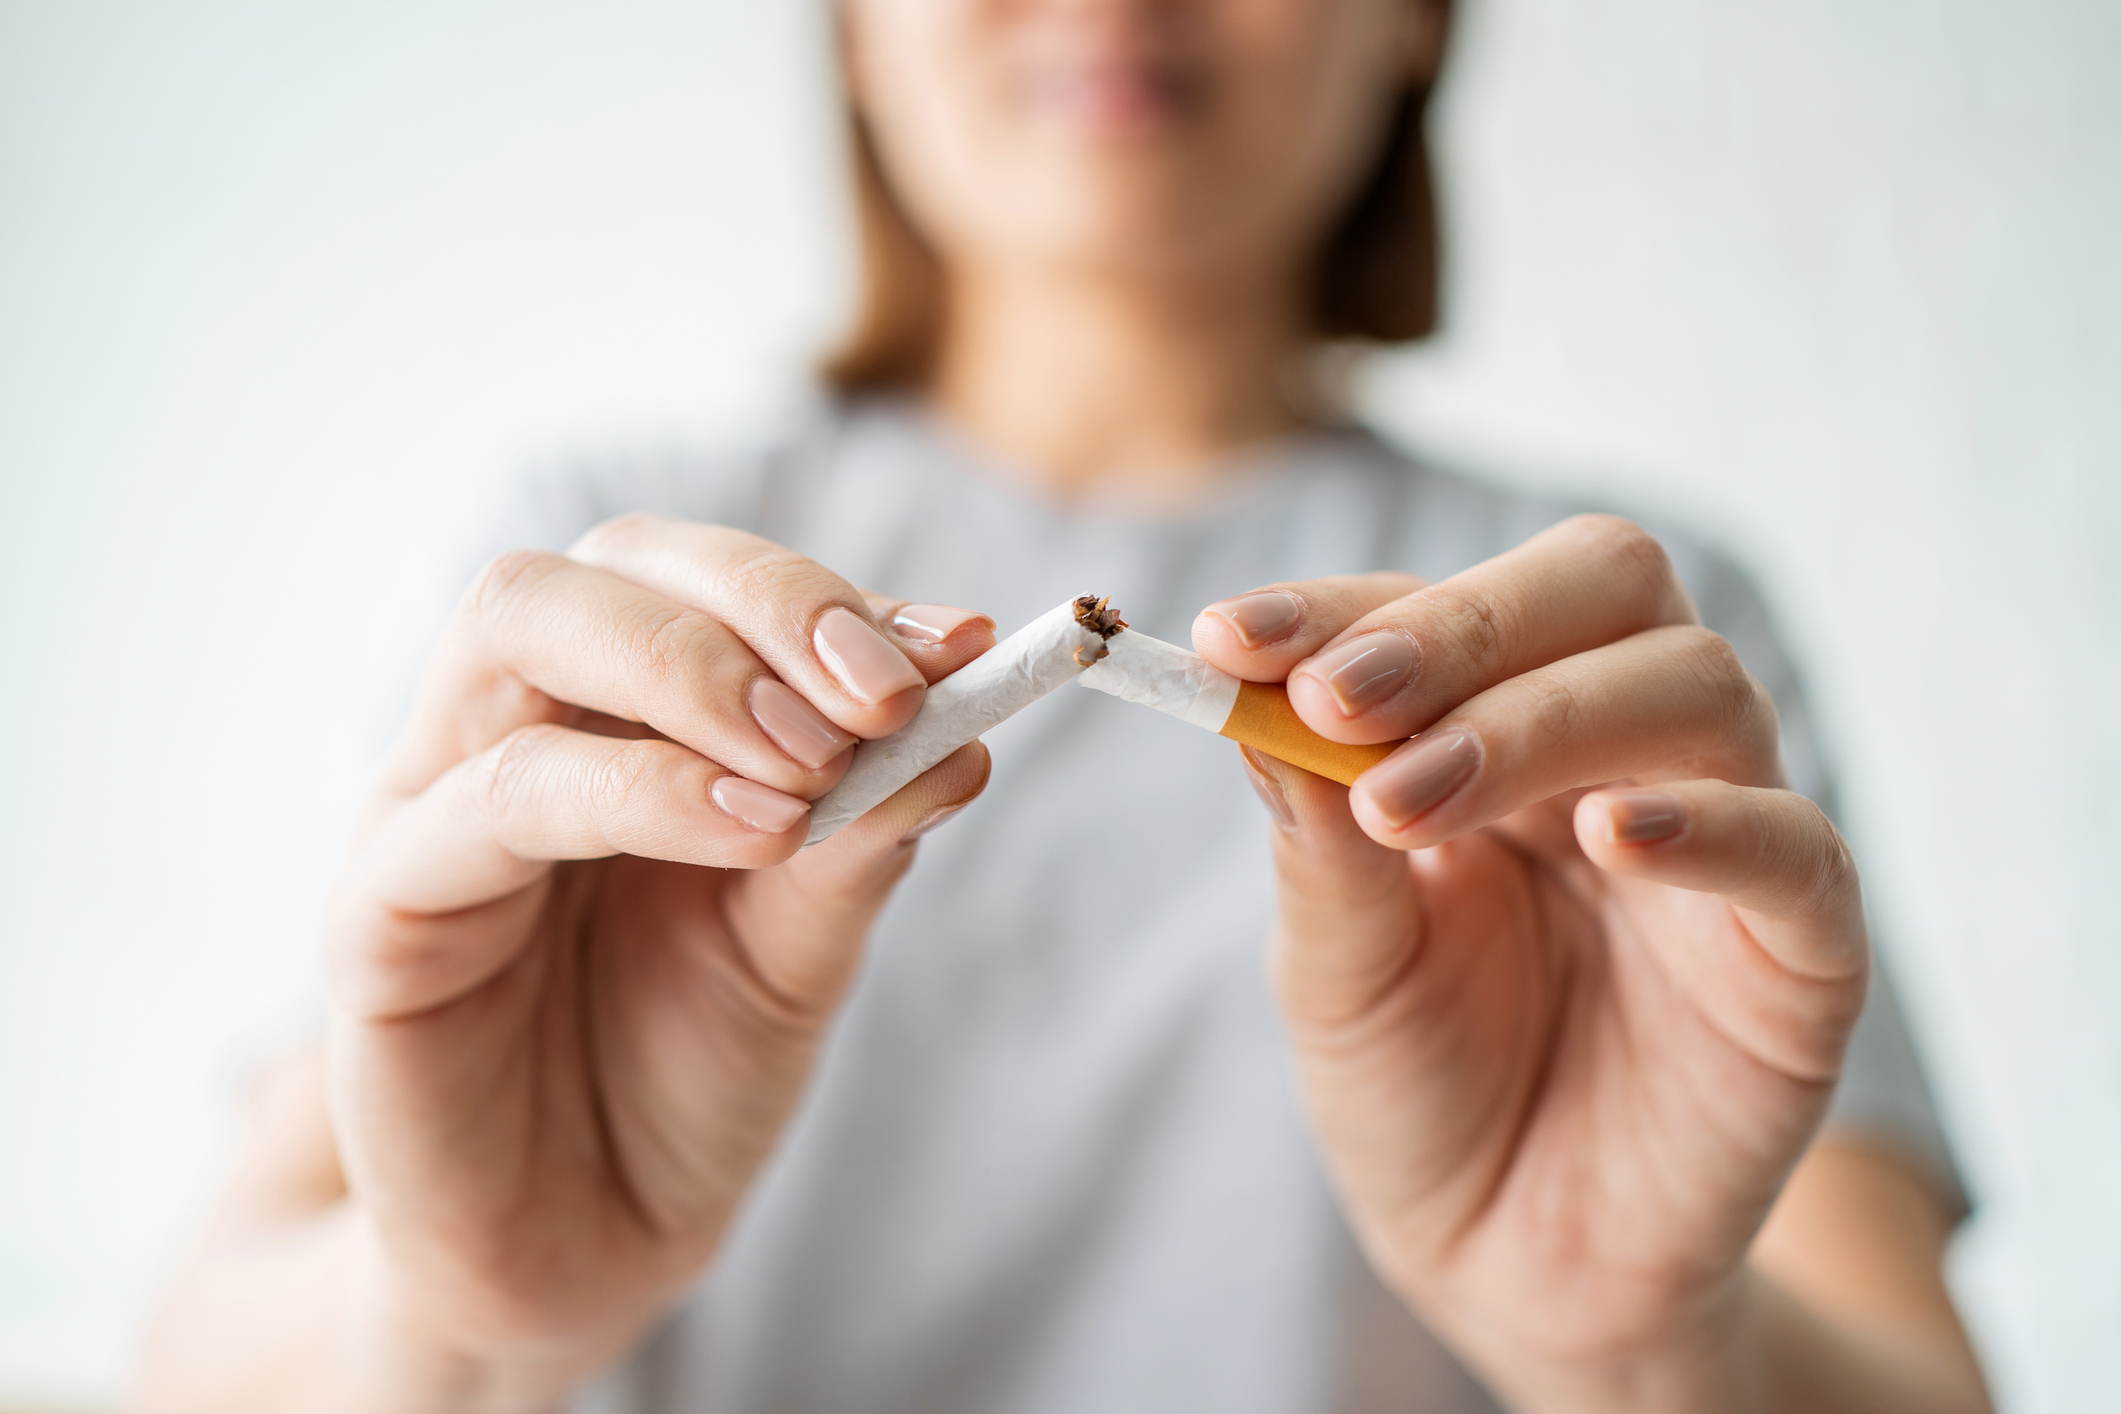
(1138, 668)
(1010, 676)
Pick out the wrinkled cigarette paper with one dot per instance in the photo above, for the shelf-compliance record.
(1053, 648)
(1138, 668)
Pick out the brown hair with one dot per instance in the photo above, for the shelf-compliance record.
(1375, 277)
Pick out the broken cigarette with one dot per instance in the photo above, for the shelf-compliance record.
(1138, 668)
(1010, 676)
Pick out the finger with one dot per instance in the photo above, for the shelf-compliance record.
(1771, 853)
(1346, 902)
(939, 638)
(542, 638)
(804, 922)
(1395, 670)
(1369, 962)
(1671, 702)
(1261, 635)
(812, 628)
(496, 821)
(442, 893)
(1786, 977)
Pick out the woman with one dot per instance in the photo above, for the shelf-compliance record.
(1518, 1115)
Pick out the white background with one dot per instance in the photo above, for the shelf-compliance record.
(284, 291)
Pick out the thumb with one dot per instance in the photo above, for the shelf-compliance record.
(803, 922)
(1350, 918)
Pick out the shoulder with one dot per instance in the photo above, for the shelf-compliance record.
(748, 480)
(1456, 516)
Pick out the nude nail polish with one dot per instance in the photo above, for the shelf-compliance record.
(933, 623)
(792, 724)
(1644, 816)
(757, 807)
(1364, 671)
(861, 658)
(1423, 774)
(1267, 788)
(1262, 618)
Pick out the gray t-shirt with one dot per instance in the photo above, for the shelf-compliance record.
(1051, 1162)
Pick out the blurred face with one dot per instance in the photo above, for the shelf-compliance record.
(1211, 139)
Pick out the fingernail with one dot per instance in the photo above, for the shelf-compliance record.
(1422, 774)
(761, 807)
(796, 727)
(936, 819)
(1644, 816)
(1267, 788)
(1260, 618)
(932, 623)
(1364, 670)
(860, 657)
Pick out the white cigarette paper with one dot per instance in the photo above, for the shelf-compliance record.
(1052, 649)
(1137, 668)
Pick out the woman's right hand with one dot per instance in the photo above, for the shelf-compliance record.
(578, 969)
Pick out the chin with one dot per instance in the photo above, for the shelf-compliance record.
(1136, 215)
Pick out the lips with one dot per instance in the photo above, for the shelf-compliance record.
(1114, 95)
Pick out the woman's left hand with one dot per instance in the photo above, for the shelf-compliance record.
(1569, 975)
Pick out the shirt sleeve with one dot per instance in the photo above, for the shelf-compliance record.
(1883, 1097)
(549, 506)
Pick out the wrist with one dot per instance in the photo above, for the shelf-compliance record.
(398, 1353)
(1708, 1357)
(1745, 1347)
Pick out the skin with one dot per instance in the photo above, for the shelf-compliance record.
(1560, 1076)
(1567, 1082)
(573, 999)
(1099, 178)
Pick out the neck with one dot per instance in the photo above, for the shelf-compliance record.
(1097, 390)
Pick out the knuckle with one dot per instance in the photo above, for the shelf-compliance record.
(1738, 704)
(631, 788)
(1473, 617)
(1792, 837)
(1623, 539)
(674, 644)
(511, 774)
(617, 533)
(1826, 866)
(624, 775)
(1557, 714)
(765, 572)
(504, 580)
(1633, 551)
(1599, 525)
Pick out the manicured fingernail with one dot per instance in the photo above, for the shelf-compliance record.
(1260, 618)
(860, 657)
(1364, 670)
(932, 623)
(1267, 788)
(1644, 816)
(1423, 774)
(795, 726)
(760, 807)
(936, 819)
